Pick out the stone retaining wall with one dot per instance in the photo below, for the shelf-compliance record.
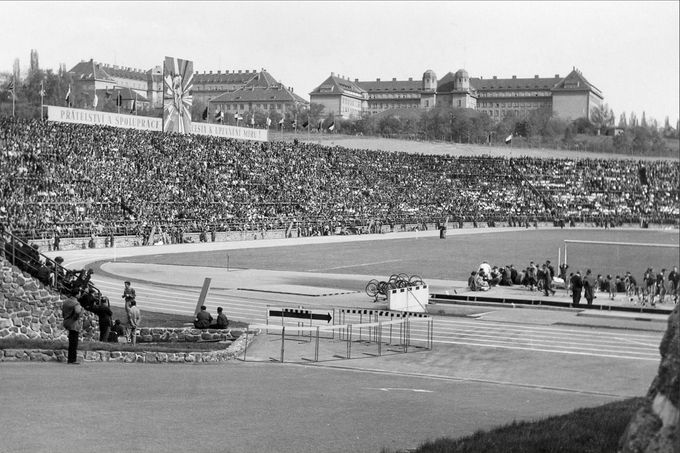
(59, 355)
(30, 310)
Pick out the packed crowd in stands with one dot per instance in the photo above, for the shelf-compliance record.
(81, 180)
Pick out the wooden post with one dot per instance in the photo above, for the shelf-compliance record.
(204, 293)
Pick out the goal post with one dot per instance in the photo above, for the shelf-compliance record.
(616, 258)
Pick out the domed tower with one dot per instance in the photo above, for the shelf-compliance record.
(429, 80)
(461, 80)
(428, 95)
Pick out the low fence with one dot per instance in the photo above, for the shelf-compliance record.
(316, 343)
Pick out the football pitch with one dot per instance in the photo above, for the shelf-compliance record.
(452, 258)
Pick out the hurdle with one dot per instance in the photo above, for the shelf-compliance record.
(347, 333)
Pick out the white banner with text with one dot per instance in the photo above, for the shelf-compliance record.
(94, 117)
(218, 130)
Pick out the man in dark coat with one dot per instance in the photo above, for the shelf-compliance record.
(71, 311)
(576, 288)
(105, 314)
(589, 287)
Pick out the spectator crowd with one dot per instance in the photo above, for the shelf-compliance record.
(79, 180)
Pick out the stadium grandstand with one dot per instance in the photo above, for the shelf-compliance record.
(82, 180)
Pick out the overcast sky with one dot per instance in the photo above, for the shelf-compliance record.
(629, 50)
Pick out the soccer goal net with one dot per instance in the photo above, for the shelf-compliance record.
(617, 258)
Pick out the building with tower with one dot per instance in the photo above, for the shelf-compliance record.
(569, 97)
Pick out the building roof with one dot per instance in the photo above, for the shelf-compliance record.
(90, 70)
(575, 81)
(262, 79)
(534, 83)
(391, 85)
(259, 94)
(338, 85)
(447, 84)
(93, 70)
(233, 77)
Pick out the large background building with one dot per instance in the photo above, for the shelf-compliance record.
(260, 93)
(567, 97)
(136, 88)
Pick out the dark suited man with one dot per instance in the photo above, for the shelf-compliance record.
(576, 288)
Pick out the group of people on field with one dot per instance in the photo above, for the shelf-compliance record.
(654, 288)
(534, 277)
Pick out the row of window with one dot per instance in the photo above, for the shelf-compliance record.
(508, 94)
(394, 96)
(255, 106)
(526, 105)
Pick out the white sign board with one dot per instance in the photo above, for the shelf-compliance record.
(94, 117)
(411, 298)
(219, 130)
(97, 118)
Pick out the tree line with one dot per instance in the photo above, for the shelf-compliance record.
(536, 129)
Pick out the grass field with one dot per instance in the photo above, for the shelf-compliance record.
(452, 258)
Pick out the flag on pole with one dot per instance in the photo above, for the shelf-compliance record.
(508, 139)
(119, 99)
(134, 106)
(42, 89)
(319, 124)
(10, 87)
(67, 99)
(269, 122)
(95, 101)
(332, 126)
(236, 116)
(281, 121)
(252, 120)
(205, 114)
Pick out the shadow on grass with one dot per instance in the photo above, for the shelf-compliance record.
(592, 430)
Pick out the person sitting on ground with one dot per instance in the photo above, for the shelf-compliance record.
(203, 319)
(495, 277)
(222, 321)
(472, 281)
(481, 283)
(506, 279)
(117, 331)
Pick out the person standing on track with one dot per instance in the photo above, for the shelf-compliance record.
(589, 287)
(576, 287)
(674, 278)
(129, 293)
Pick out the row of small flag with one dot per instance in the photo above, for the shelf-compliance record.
(219, 116)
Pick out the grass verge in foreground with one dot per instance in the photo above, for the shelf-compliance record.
(586, 430)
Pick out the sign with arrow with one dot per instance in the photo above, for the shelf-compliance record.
(301, 314)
